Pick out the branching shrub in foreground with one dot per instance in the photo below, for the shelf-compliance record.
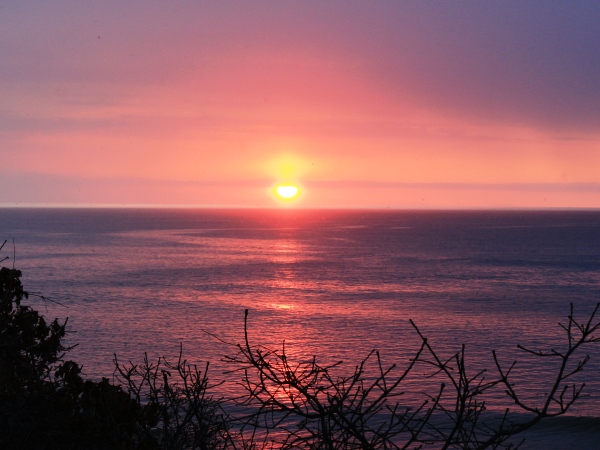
(177, 410)
(302, 404)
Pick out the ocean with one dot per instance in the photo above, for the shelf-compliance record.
(335, 284)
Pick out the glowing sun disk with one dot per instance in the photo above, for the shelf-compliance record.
(287, 191)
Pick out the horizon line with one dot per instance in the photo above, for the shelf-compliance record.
(286, 208)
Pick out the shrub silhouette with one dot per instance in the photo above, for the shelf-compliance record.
(46, 404)
(302, 404)
(177, 411)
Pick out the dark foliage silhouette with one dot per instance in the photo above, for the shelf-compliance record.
(44, 402)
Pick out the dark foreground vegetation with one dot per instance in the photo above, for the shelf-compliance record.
(46, 404)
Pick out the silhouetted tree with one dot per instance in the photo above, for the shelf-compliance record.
(44, 402)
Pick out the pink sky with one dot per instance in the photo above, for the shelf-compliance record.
(364, 104)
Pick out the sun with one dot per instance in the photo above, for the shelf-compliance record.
(287, 191)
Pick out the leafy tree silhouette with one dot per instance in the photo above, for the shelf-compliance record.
(44, 402)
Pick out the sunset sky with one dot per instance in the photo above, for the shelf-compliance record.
(389, 104)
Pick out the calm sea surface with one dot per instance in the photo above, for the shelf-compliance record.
(335, 284)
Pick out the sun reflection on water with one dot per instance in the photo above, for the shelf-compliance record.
(285, 255)
(282, 306)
